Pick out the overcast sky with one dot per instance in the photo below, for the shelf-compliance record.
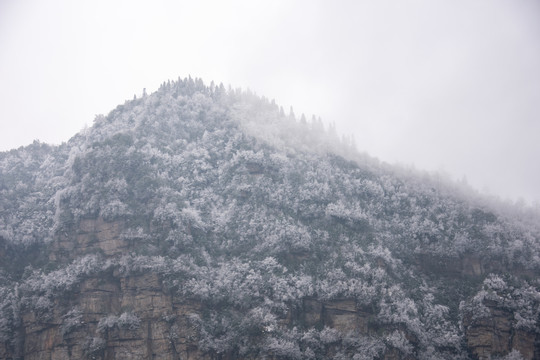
(449, 86)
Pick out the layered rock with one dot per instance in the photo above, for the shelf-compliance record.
(90, 236)
(498, 335)
(157, 325)
(90, 320)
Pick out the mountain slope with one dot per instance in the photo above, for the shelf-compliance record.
(200, 222)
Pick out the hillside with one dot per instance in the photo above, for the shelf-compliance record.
(200, 222)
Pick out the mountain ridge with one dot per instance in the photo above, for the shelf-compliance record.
(222, 233)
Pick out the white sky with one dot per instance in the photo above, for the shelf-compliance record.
(444, 85)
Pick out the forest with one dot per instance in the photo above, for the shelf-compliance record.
(255, 214)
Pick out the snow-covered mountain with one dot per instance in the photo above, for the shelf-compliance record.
(200, 222)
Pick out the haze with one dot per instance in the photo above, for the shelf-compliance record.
(450, 86)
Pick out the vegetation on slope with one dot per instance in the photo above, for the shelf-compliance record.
(250, 211)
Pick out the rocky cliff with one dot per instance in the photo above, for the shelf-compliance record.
(114, 315)
(204, 223)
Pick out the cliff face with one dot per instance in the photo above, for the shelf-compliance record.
(201, 223)
(135, 316)
(154, 334)
(496, 335)
(90, 236)
(163, 327)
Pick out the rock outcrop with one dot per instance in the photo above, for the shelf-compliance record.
(135, 316)
(89, 323)
(90, 236)
(497, 335)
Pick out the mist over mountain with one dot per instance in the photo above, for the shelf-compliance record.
(200, 222)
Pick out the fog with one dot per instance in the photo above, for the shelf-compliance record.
(450, 86)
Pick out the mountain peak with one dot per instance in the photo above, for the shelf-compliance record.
(202, 221)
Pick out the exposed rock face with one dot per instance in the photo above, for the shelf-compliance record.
(489, 336)
(79, 326)
(498, 335)
(91, 235)
(468, 266)
(162, 330)
(342, 315)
